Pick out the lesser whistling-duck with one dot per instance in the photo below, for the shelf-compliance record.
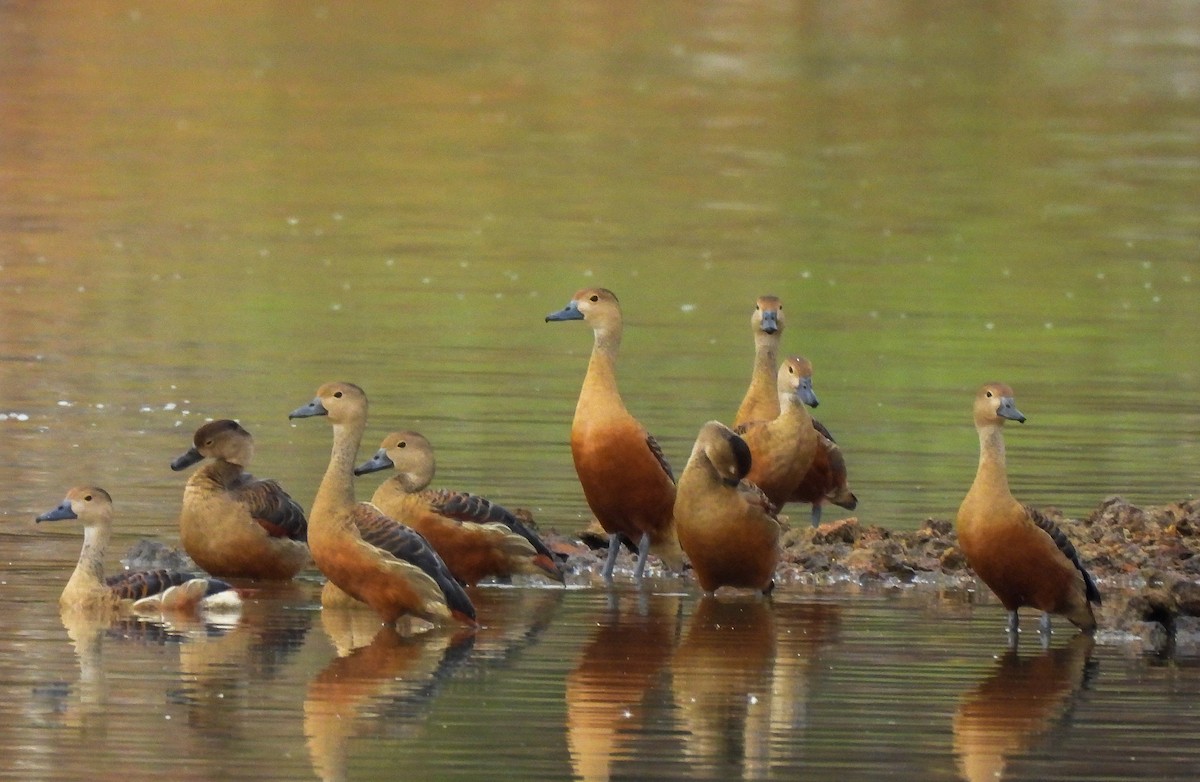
(364, 553)
(761, 402)
(826, 480)
(1022, 556)
(783, 447)
(232, 524)
(140, 591)
(625, 477)
(475, 537)
(727, 526)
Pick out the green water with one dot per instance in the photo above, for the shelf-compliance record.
(207, 211)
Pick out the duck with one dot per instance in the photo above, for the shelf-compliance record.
(1020, 554)
(728, 528)
(626, 479)
(475, 537)
(783, 448)
(761, 402)
(364, 553)
(140, 592)
(232, 524)
(826, 481)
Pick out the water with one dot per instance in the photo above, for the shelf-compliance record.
(209, 212)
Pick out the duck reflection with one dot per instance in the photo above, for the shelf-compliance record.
(1019, 701)
(610, 693)
(510, 621)
(802, 631)
(721, 676)
(222, 664)
(393, 678)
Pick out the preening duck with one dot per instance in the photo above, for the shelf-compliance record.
(727, 526)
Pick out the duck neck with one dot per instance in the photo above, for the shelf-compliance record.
(792, 410)
(992, 474)
(600, 382)
(412, 481)
(763, 376)
(89, 571)
(337, 487)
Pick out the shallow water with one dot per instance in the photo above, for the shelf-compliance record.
(209, 212)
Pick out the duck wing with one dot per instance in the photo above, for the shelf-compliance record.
(656, 449)
(464, 506)
(383, 532)
(272, 507)
(1064, 545)
(134, 585)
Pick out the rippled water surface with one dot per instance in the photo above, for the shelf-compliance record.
(207, 211)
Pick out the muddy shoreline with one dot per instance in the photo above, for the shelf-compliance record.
(1145, 560)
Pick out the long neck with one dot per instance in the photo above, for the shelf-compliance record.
(992, 474)
(411, 481)
(337, 487)
(600, 383)
(791, 409)
(89, 571)
(761, 402)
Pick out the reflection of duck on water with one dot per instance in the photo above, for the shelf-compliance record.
(721, 678)
(607, 692)
(1018, 702)
(393, 678)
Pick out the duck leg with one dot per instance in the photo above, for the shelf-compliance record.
(614, 548)
(816, 515)
(1014, 624)
(643, 553)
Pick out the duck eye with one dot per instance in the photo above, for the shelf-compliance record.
(989, 394)
(337, 394)
(594, 298)
(87, 498)
(401, 444)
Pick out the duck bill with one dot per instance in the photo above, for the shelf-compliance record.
(569, 312)
(185, 460)
(309, 410)
(379, 461)
(63, 511)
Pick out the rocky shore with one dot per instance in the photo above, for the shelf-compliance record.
(1145, 560)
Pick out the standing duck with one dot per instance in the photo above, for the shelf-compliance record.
(364, 553)
(826, 481)
(761, 402)
(625, 477)
(142, 592)
(727, 526)
(474, 537)
(232, 524)
(784, 447)
(1022, 556)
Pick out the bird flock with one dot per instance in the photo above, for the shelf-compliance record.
(414, 551)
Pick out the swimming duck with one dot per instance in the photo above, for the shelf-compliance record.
(232, 524)
(475, 537)
(727, 526)
(625, 477)
(826, 480)
(783, 447)
(147, 591)
(363, 552)
(1022, 556)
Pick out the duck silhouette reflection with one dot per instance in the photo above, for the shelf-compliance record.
(386, 683)
(616, 693)
(1022, 699)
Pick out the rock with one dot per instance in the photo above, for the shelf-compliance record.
(1187, 597)
(843, 530)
